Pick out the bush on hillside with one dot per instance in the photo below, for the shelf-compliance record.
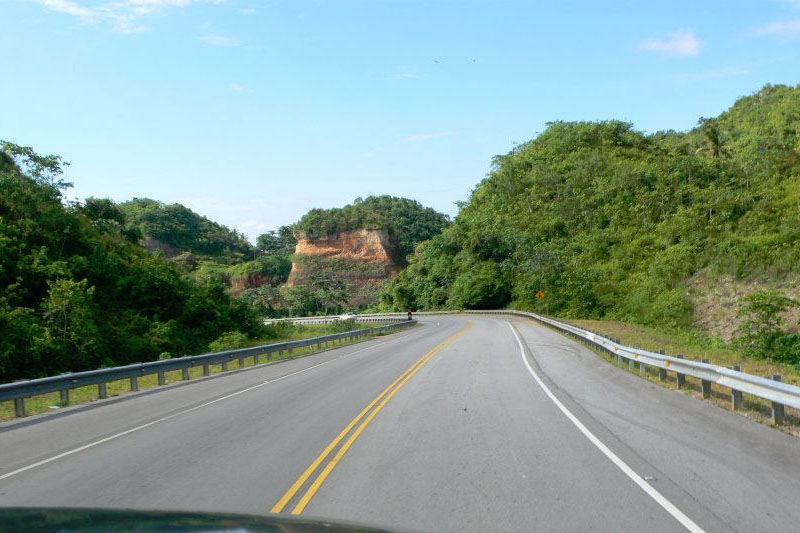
(761, 333)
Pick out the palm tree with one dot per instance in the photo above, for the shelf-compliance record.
(715, 144)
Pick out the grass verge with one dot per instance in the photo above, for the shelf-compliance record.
(697, 346)
(81, 395)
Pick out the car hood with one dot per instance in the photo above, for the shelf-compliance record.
(41, 520)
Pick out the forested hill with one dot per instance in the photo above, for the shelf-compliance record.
(77, 292)
(407, 221)
(174, 228)
(610, 222)
(344, 256)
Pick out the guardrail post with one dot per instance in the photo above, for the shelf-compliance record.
(185, 373)
(241, 361)
(777, 408)
(642, 369)
(705, 384)
(134, 384)
(206, 370)
(102, 391)
(255, 358)
(631, 365)
(736, 395)
(19, 407)
(162, 379)
(224, 366)
(681, 377)
(64, 393)
(662, 372)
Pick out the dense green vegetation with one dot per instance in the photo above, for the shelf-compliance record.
(179, 229)
(205, 250)
(762, 333)
(407, 221)
(278, 242)
(610, 222)
(77, 292)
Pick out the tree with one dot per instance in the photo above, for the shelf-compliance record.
(103, 209)
(281, 241)
(266, 299)
(68, 318)
(301, 301)
(43, 169)
(331, 292)
(715, 145)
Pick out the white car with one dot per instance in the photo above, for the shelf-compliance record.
(347, 316)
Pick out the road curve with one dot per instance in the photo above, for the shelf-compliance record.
(464, 423)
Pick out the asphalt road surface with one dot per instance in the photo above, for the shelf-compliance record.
(464, 423)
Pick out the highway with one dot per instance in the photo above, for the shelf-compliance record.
(463, 423)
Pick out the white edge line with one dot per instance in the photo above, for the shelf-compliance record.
(685, 521)
(173, 415)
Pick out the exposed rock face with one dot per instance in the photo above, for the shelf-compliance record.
(366, 245)
(361, 258)
(251, 281)
(717, 301)
(154, 245)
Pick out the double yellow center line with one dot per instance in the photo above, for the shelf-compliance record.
(365, 417)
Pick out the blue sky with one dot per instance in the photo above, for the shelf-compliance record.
(252, 112)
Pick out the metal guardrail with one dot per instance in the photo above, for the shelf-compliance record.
(363, 318)
(327, 319)
(773, 390)
(778, 393)
(19, 390)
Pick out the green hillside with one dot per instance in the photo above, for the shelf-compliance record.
(610, 222)
(407, 221)
(176, 228)
(77, 292)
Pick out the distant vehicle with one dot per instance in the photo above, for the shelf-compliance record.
(347, 316)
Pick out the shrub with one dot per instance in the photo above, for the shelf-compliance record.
(228, 341)
(761, 333)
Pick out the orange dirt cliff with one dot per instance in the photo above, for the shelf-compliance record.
(362, 258)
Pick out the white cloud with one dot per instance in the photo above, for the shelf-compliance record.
(236, 88)
(122, 15)
(786, 28)
(219, 40)
(402, 76)
(420, 137)
(679, 43)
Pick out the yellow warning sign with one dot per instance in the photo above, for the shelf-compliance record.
(540, 295)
